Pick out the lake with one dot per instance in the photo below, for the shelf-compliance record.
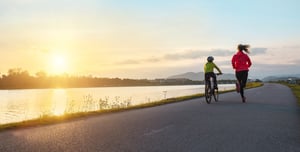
(20, 105)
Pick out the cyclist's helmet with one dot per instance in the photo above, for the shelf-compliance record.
(210, 59)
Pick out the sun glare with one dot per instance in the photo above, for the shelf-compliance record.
(58, 64)
(58, 61)
(59, 102)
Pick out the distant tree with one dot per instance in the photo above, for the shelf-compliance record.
(41, 74)
(17, 72)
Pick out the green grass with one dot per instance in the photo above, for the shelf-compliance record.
(295, 89)
(254, 85)
(48, 119)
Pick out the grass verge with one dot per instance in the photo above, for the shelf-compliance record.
(295, 89)
(46, 119)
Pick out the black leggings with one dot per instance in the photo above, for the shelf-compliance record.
(242, 77)
(213, 75)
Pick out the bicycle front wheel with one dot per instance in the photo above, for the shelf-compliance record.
(216, 95)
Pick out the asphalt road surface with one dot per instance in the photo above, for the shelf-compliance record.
(268, 122)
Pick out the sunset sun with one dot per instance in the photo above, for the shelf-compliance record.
(58, 64)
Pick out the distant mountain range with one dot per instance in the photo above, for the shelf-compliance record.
(282, 77)
(200, 76)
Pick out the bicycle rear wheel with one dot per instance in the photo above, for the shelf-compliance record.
(207, 94)
(216, 95)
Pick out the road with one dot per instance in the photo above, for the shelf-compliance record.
(268, 122)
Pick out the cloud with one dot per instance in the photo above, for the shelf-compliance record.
(195, 54)
(221, 52)
(152, 59)
(291, 47)
(258, 51)
(127, 62)
(263, 63)
(274, 69)
(191, 55)
(139, 61)
(296, 61)
(184, 55)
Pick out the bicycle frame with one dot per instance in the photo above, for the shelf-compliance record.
(210, 90)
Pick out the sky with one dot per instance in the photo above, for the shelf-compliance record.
(147, 38)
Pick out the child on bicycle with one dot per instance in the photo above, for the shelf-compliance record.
(209, 71)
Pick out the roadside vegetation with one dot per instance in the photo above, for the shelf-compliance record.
(254, 85)
(296, 91)
(101, 106)
(295, 88)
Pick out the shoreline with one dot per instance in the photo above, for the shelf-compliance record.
(50, 119)
(33, 88)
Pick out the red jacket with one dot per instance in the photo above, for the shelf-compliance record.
(241, 62)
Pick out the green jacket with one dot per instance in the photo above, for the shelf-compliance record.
(209, 67)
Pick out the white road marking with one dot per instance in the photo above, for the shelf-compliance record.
(155, 131)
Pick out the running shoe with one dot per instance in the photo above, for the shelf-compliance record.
(244, 99)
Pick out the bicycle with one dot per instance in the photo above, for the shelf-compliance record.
(210, 90)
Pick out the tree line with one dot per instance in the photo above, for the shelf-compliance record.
(18, 78)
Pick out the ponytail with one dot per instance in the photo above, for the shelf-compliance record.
(244, 47)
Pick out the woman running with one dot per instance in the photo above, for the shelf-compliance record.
(241, 63)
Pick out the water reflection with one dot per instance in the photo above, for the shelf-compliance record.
(59, 100)
(20, 105)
